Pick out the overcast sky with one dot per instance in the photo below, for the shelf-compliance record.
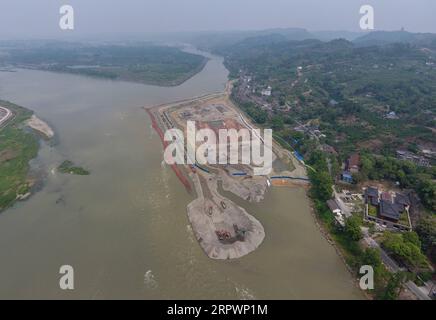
(40, 18)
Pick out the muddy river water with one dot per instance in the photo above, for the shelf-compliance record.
(124, 228)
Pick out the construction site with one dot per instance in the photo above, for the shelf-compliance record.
(223, 229)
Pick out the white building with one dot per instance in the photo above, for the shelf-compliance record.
(267, 92)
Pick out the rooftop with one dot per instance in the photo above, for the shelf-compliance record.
(389, 210)
(371, 192)
(402, 199)
(386, 196)
(354, 160)
(333, 205)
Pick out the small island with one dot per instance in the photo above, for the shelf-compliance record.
(68, 167)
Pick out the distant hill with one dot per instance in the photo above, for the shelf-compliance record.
(216, 40)
(386, 37)
(332, 35)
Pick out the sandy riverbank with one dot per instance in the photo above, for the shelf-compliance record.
(37, 124)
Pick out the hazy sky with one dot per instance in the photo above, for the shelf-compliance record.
(40, 18)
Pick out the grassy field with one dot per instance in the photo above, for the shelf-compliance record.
(372, 211)
(17, 148)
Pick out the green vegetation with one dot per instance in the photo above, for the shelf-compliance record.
(68, 167)
(164, 66)
(406, 248)
(352, 228)
(393, 286)
(17, 148)
(349, 236)
(367, 83)
(348, 241)
(339, 95)
(372, 211)
(258, 115)
(322, 182)
(406, 173)
(426, 229)
(345, 91)
(404, 220)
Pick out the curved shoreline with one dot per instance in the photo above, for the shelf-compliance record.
(21, 146)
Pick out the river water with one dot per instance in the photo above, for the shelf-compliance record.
(124, 228)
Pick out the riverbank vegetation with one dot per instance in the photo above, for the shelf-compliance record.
(144, 63)
(17, 147)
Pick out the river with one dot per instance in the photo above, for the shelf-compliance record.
(124, 228)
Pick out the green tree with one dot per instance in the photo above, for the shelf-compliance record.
(321, 186)
(404, 248)
(427, 193)
(426, 230)
(352, 228)
(393, 287)
(371, 257)
(277, 123)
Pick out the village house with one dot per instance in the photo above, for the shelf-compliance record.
(390, 207)
(409, 156)
(267, 92)
(347, 177)
(352, 164)
(336, 210)
(333, 206)
(372, 196)
(391, 115)
(329, 149)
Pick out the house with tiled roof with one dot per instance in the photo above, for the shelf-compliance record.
(353, 163)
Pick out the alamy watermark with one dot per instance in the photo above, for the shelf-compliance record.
(367, 20)
(230, 147)
(66, 282)
(66, 21)
(367, 280)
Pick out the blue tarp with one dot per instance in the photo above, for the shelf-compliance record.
(298, 156)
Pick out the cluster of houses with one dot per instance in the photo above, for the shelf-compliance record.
(409, 156)
(389, 208)
(311, 130)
